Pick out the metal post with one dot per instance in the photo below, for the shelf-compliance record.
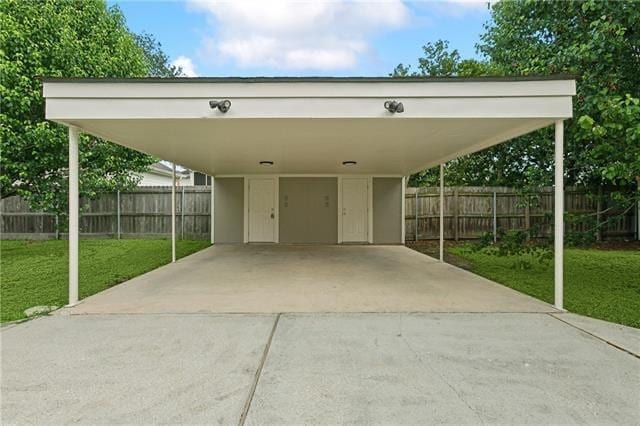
(495, 217)
(182, 214)
(173, 215)
(416, 213)
(213, 199)
(118, 212)
(74, 225)
(558, 215)
(441, 212)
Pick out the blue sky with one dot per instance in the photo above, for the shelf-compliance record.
(300, 38)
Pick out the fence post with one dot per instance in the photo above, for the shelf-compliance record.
(527, 216)
(182, 214)
(456, 214)
(57, 226)
(118, 213)
(495, 217)
(599, 215)
(638, 220)
(638, 209)
(415, 208)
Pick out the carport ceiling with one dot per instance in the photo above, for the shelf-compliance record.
(310, 145)
(308, 126)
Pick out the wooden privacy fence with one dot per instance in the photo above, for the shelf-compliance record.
(141, 212)
(470, 212)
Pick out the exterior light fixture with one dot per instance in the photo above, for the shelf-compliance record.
(349, 163)
(266, 163)
(394, 107)
(223, 106)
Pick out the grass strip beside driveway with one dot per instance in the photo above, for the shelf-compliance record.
(598, 283)
(36, 273)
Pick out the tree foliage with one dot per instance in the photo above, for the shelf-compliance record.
(158, 64)
(599, 43)
(65, 39)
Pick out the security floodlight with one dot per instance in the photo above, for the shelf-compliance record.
(223, 106)
(394, 107)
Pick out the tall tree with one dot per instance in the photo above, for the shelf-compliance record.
(81, 38)
(158, 64)
(597, 41)
(486, 168)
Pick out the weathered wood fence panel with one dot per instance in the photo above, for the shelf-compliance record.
(469, 212)
(143, 212)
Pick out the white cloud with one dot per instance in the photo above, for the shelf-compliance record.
(188, 68)
(298, 35)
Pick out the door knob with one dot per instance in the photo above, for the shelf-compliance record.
(272, 216)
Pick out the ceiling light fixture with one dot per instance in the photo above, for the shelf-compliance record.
(394, 107)
(349, 163)
(266, 163)
(223, 106)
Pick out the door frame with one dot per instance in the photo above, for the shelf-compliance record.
(276, 203)
(369, 205)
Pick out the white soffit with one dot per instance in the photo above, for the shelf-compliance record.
(308, 126)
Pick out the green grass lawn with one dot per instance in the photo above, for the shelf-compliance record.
(36, 272)
(601, 284)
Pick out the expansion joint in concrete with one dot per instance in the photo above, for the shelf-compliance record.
(608, 342)
(254, 385)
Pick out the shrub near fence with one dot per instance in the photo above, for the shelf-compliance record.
(469, 212)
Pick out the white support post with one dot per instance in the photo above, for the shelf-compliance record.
(74, 201)
(213, 223)
(558, 245)
(173, 215)
(441, 212)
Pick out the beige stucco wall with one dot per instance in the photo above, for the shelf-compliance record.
(308, 210)
(387, 210)
(229, 210)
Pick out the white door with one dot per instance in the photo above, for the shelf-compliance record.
(355, 215)
(262, 210)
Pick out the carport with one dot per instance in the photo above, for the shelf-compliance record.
(359, 136)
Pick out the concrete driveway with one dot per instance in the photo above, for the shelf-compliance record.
(301, 278)
(314, 368)
(320, 335)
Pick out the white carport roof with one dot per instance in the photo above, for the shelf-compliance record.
(309, 125)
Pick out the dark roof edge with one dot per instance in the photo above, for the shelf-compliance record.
(301, 79)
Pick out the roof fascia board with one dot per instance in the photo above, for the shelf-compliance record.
(308, 89)
(493, 107)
